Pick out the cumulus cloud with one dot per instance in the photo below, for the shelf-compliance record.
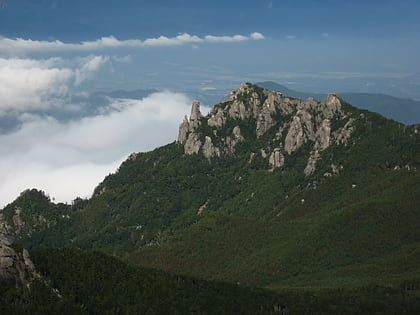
(67, 160)
(20, 45)
(27, 84)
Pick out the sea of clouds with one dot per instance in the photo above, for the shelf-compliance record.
(68, 158)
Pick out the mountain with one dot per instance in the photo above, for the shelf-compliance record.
(406, 111)
(317, 201)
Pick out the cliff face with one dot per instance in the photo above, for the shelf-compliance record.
(296, 122)
(16, 266)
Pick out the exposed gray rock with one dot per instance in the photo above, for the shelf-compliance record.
(203, 207)
(265, 120)
(237, 133)
(193, 144)
(216, 118)
(15, 267)
(310, 166)
(18, 222)
(183, 130)
(342, 135)
(307, 122)
(323, 134)
(251, 157)
(276, 158)
(132, 156)
(231, 142)
(295, 137)
(237, 110)
(263, 153)
(195, 117)
(209, 150)
(187, 128)
(286, 105)
(331, 107)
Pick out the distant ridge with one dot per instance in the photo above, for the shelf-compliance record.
(403, 110)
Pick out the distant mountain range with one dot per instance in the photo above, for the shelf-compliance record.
(403, 110)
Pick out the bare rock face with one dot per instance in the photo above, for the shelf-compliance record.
(237, 110)
(217, 118)
(331, 107)
(299, 123)
(232, 141)
(209, 150)
(323, 135)
(193, 144)
(195, 117)
(183, 130)
(313, 158)
(342, 135)
(16, 266)
(295, 137)
(187, 134)
(276, 159)
(264, 121)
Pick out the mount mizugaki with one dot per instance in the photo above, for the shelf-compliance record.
(318, 201)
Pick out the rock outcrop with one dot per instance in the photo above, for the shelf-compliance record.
(188, 126)
(209, 150)
(299, 123)
(276, 159)
(16, 266)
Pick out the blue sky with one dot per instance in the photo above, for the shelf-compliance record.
(87, 20)
(314, 45)
(51, 50)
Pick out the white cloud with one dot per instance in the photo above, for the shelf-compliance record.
(235, 38)
(90, 66)
(123, 59)
(20, 45)
(257, 36)
(67, 160)
(172, 41)
(27, 84)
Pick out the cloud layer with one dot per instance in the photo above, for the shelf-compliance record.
(67, 160)
(20, 45)
(27, 84)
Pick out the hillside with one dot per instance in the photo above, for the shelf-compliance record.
(266, 190)
(76, 282)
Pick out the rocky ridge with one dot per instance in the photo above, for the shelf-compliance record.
(296, 122)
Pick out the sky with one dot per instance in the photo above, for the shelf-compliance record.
(52, 50)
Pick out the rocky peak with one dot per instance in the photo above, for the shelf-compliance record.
(195, 116)
(190, 125)
(298, 122)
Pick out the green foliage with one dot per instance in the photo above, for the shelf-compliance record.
(38, 299)
(104, 285)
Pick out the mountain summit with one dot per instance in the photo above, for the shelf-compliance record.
(290, 124)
